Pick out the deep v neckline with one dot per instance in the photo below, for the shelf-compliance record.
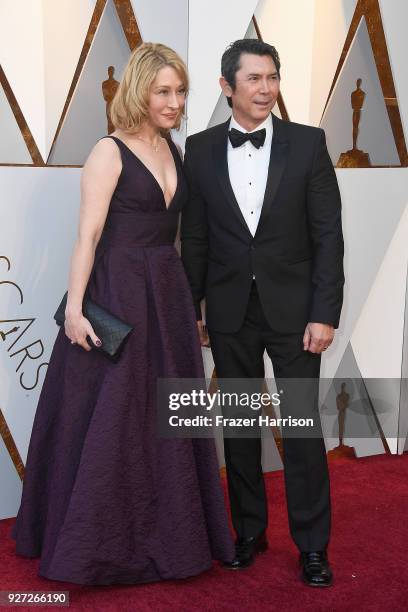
(150, 173)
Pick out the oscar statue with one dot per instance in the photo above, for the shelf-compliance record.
(109, 88)
(342, 402)
(355, 158)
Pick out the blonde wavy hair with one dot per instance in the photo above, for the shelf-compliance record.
(130, 105)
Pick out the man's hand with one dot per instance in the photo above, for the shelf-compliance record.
(203, 334)
(318, 337)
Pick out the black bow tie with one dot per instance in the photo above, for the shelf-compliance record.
(238, 138)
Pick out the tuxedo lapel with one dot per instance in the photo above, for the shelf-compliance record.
(220, 148)
(277, 165)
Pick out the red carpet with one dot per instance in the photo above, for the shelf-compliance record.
(368, 554)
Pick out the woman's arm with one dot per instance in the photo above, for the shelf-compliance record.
(98, 181)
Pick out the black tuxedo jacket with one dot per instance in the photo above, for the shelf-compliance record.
(296, 254)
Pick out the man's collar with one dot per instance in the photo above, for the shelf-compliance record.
(267, 124)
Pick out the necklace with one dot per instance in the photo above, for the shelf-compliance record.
(154, 146)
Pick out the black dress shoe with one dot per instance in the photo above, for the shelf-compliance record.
(316, 569)
(245, 551)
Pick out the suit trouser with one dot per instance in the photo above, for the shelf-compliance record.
(240, 355)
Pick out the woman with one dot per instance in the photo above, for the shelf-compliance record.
(105, 500)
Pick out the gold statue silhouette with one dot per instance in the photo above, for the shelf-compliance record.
(342, 402)
(355, 158)
(109, 88)
(357, 101)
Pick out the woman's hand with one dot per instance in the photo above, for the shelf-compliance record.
(77, 328)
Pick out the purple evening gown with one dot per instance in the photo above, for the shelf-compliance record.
(105, 500)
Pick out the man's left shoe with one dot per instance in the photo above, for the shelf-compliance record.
(316, 570)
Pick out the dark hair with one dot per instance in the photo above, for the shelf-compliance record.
(230, 61)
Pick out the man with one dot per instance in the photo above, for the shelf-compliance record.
(262, 243)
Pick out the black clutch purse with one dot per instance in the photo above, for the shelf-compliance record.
(111, 330)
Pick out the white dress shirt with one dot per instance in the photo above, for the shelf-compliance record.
(248, 172)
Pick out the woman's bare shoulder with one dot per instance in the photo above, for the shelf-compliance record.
(105, 147)
(105, 154)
